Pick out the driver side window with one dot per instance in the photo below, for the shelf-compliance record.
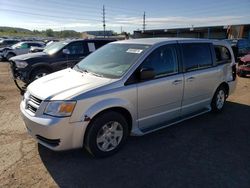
(163, 60)
(24, 46)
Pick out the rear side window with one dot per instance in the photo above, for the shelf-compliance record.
(100, 43)
(196, 56)
(163, 60)
(222, 54)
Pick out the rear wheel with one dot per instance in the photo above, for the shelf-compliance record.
(106, 134)
(39, 73)
(219, 99)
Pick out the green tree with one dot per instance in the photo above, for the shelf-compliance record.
(49, 33)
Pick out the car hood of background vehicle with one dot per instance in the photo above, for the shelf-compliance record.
(29, 56)
(65, 84)
(5, 48)
(246, 58)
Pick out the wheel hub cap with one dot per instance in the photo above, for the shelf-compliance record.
(220, 99)
(109, 136)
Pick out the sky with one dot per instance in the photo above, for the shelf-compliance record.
(121, 15)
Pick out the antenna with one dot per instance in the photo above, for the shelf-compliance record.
(103, 21)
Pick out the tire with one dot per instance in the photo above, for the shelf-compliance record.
(10, 55)
(38, 73)
(107, 133)
(219, 99)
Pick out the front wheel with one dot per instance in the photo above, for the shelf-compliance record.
(106, 134)
(219, 99)
(39, 73)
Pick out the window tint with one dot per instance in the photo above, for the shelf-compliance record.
(163, 60)
(196, 56)
(222, 54)
(76, 48)
(100, 43)
(24, 46)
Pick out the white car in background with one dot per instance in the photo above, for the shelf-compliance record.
(20, 48)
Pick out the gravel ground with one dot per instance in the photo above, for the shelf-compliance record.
(212, 150)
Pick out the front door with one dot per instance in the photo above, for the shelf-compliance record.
(159, 99)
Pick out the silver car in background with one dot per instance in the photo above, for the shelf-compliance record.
(130, 87)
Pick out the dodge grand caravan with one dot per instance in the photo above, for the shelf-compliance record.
(126, 88)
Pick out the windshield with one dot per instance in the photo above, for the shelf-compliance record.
(54, 47)
(112, 60)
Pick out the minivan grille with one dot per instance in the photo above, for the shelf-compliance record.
(35, 100)
(32, 103)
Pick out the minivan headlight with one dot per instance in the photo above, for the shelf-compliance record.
(21, 64)
(60, 108)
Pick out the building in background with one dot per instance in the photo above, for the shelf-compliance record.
(98, 34)
(211, 32)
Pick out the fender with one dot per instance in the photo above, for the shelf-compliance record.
(44, 65)
(100, 106)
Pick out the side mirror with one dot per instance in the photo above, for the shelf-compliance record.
(66, 51)
(147, 74)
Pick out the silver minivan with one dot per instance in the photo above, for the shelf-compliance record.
(130, 87)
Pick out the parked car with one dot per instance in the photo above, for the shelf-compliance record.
(34, 49)
(20, 48)
(57, 56)
(130, 87)
(7, 42)
(240, 47)
(243, 68)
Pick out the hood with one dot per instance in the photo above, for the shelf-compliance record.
(245, 58)
(29, 56)
(5, 48)
(65, 84)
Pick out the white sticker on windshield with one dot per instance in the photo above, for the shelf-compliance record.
(135, 51)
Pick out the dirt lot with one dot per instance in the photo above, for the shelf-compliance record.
(207, 151)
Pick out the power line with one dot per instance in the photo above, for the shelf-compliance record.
(47, 15)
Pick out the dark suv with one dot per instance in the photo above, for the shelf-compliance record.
(57, 56)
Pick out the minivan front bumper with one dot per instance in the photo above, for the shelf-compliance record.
(55, 133)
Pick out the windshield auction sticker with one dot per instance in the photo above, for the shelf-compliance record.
(134, 51)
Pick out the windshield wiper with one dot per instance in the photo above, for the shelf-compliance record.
(95, 74)
(80, 69)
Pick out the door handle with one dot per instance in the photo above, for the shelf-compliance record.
(176, 82)
(190, 79)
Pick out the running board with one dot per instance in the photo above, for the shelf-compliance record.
(175, 121)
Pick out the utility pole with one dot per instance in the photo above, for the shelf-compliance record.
(103, 21)
(121, 29)
(144, 22)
